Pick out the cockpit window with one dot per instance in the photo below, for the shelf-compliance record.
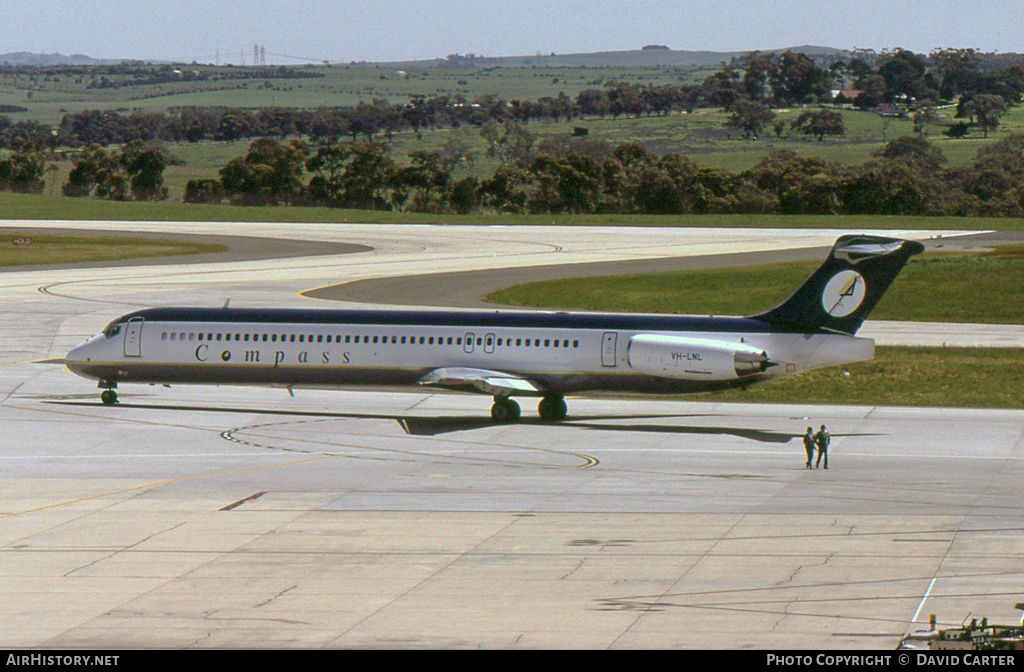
(112, 330)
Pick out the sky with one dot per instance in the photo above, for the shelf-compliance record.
(303, 31)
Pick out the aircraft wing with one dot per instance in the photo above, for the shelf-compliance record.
(496, 383)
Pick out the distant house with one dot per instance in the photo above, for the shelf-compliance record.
(845, 95)
(889, 110)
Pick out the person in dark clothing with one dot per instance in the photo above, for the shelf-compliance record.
(821, 440)
(809, 446)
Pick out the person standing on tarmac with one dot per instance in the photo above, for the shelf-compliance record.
(809, 446)
(821, 440)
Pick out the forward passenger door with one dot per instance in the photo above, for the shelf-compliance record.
(133, 337)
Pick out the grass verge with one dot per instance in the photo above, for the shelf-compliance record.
(61, 208)
(48, 248)
(903, 376)
(979, 288)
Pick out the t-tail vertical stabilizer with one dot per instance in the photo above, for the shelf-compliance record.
(838, 296)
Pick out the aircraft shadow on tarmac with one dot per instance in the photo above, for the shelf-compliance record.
(434, 426)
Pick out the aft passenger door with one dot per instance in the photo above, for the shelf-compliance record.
(133, 338)
(608, 348)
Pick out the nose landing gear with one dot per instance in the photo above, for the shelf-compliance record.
(109, 395)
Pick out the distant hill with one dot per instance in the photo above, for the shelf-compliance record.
(647, 57)
(27, 58)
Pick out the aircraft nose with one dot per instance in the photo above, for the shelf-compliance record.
(82, 352)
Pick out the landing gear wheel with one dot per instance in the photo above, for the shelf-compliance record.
(504, 410)
(553, 408)
(108, 397)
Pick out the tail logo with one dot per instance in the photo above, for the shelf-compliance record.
(844, 293)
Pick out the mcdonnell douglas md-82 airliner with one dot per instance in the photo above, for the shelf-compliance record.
(504, 354)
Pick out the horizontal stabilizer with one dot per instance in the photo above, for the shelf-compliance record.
(496, 383)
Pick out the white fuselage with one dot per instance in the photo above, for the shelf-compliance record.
(558, 352)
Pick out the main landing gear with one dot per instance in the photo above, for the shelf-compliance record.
(505, 410)
(552, 408)
(109, 395)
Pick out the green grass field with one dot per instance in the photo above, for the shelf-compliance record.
(898, 376)
(35, 248)
(983, 288)
(49, 97)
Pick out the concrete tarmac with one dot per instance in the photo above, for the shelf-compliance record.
(214, 517)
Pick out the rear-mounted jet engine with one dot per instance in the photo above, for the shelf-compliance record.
(695, 358)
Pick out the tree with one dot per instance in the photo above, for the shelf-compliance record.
(885, 188)
(592, 102)
(661, 99)
(23, 170)
(624, 98)
(958, 69)
(958, 130)
(797, 79)
(145, 167)
(986, 109)
(367, 120)
(665, 187)
(505, 191)
(327, 126)
(368, 176)
(571, 184)
(924, 116)
(464, 195)
(750, 116)
(758, 68)
(203, 191)
(97, 171)
(430, 176)
(719, 90)
(798, 184)
(915, 150)
(235, 125)
(820, 124)
(360, 175)
(510, 145)
(269, 173)
(906, 77)
(329, 165)
(196, 123)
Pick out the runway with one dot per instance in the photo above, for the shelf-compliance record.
(242, 518)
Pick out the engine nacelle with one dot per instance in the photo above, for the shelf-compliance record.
(695, 358)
